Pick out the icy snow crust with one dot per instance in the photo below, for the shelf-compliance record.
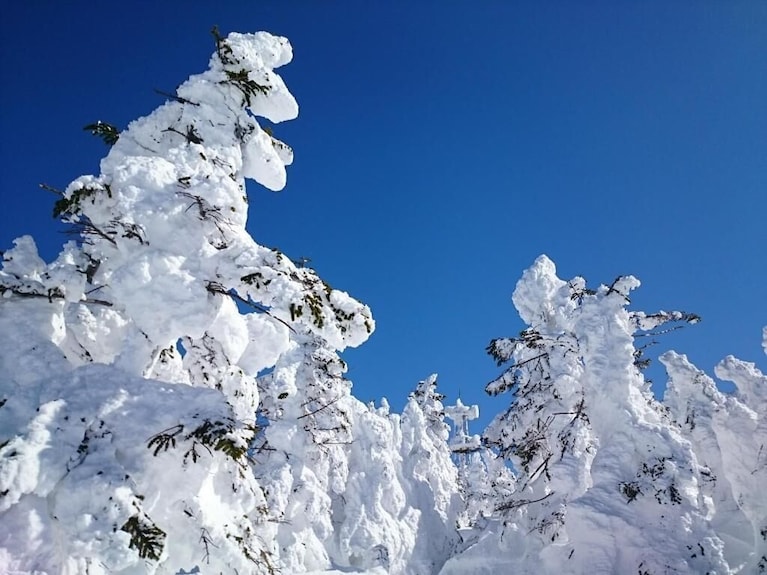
(149, 424)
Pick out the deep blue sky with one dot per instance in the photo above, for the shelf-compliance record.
(441, 147)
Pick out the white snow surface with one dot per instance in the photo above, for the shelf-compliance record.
(173, 400)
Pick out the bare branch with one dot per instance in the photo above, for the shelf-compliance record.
(521, 502)
(52, 295)
(320, 409)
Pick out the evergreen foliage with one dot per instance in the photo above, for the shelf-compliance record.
(145, 537)
(107, 132)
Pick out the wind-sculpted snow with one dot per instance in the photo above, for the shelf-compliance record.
(728, 433)
(165, 218)
(607, 482)
(173, 400)
(129, 398)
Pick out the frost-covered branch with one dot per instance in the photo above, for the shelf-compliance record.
(50, 295)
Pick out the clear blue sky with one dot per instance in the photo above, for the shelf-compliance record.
(441, 147)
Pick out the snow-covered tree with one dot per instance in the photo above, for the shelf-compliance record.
(126, 427)
(547, 421)
(173, 399)
(431, 476)
(729, 434)
(375, 523)
(302, 452)
(594, 452)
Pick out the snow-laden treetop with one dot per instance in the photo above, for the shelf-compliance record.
(129, 395)
(164, 223)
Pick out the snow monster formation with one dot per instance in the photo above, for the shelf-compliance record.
(173, 400)
(608, 478)
(130, 389)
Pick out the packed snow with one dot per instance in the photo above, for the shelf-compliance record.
(174, 401)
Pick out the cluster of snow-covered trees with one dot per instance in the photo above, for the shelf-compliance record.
(173, 400)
